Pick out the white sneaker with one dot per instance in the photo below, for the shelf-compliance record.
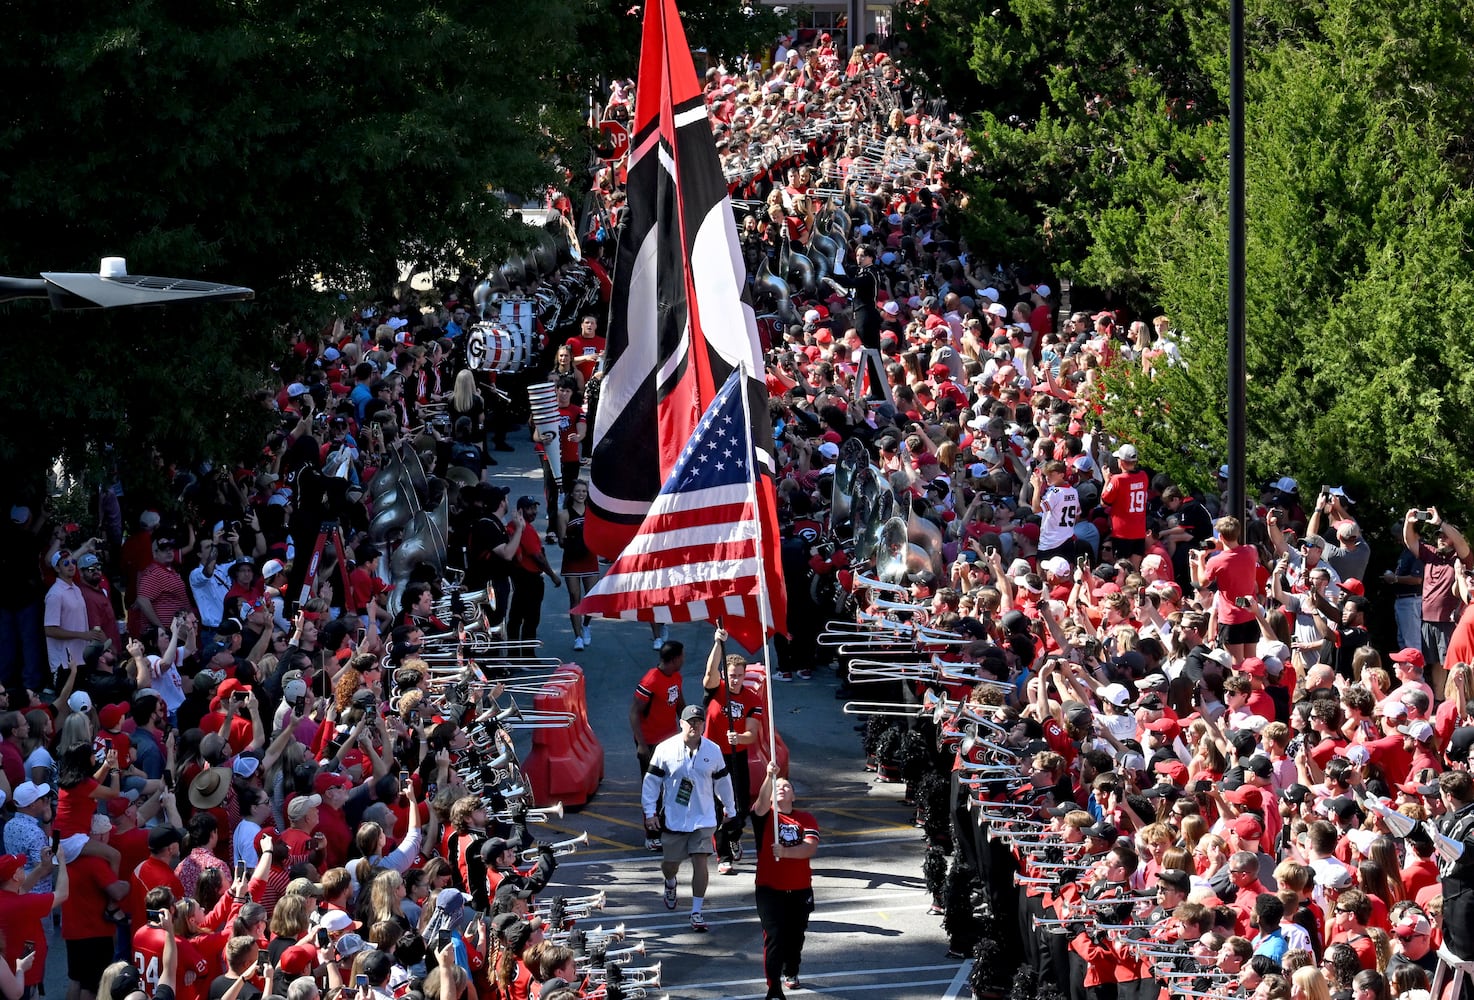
(588, 638)
(577, 643)
(657, 642)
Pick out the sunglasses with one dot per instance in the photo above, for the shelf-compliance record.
(67, 562)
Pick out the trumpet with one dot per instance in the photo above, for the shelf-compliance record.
(613, 955)
(544, 815)
(563, 847)
(1056, 925)
(646, 975)
(595, 936)
(574, 907)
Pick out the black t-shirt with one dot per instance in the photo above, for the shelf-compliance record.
(222, 985)
(482, 563)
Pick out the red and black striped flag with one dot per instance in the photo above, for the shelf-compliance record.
(679, 321)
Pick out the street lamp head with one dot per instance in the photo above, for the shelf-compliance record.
(113, 287)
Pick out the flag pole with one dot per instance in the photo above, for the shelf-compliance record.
(765, 610)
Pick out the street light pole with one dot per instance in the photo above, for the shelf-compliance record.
(1236, 361)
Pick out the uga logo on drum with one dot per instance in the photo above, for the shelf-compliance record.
(493, 348)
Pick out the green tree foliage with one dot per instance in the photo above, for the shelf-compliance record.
(263, 143)
(1360, 214)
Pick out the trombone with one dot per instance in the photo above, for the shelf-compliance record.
(886, 708)
(1031, 880)
(875, 583)
(560, 849)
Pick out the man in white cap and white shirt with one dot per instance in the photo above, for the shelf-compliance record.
(687, 776)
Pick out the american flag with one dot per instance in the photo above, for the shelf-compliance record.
(696, 556)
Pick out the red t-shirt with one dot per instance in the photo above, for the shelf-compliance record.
(793, 829)
(727, 712)
(240, 733)
(1233, 571)
(529, 547)
(74, 809)
(363, 586)
(82, 912)
(22, 917)
(1125, 494)
(661, 694)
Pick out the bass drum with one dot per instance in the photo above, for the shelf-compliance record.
(492, 348)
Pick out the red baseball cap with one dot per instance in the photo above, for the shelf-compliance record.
(327, 779)
(111, 716)
(1414, 657)
(1248, 828)
(1173, 770)
(10, 864)
(1253, 666)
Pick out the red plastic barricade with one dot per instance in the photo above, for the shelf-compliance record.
(757, 756)
(567, 764)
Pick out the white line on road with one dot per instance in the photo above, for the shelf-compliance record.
(831, 848)
(825, 902)
(823, 975)
(847, 990)
(752, 917)
(959, 983)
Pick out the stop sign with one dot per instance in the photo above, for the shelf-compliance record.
(614, 141)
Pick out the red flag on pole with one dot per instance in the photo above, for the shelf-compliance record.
(679, 321)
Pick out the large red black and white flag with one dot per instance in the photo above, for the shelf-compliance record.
(679, 321)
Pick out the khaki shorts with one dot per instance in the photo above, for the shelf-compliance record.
(677, 846)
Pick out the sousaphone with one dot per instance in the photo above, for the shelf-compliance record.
(892, 551)
(923, 533)
(863, 515)
(852, 458)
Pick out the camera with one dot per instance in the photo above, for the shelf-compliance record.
(1422, 515)
(1243, 602)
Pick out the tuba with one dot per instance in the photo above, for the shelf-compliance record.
(893, 555)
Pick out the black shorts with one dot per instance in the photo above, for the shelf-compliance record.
(1067, 550)
(86, 958)
(1128, 547)
(1242, 634)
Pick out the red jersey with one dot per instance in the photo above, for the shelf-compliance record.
(660, 693)
(793, 829)
(569, 417)
(192, 971)
(153, 873)
(1125, 495)
(82, 912)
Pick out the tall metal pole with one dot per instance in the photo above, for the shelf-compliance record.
(1236, 366)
